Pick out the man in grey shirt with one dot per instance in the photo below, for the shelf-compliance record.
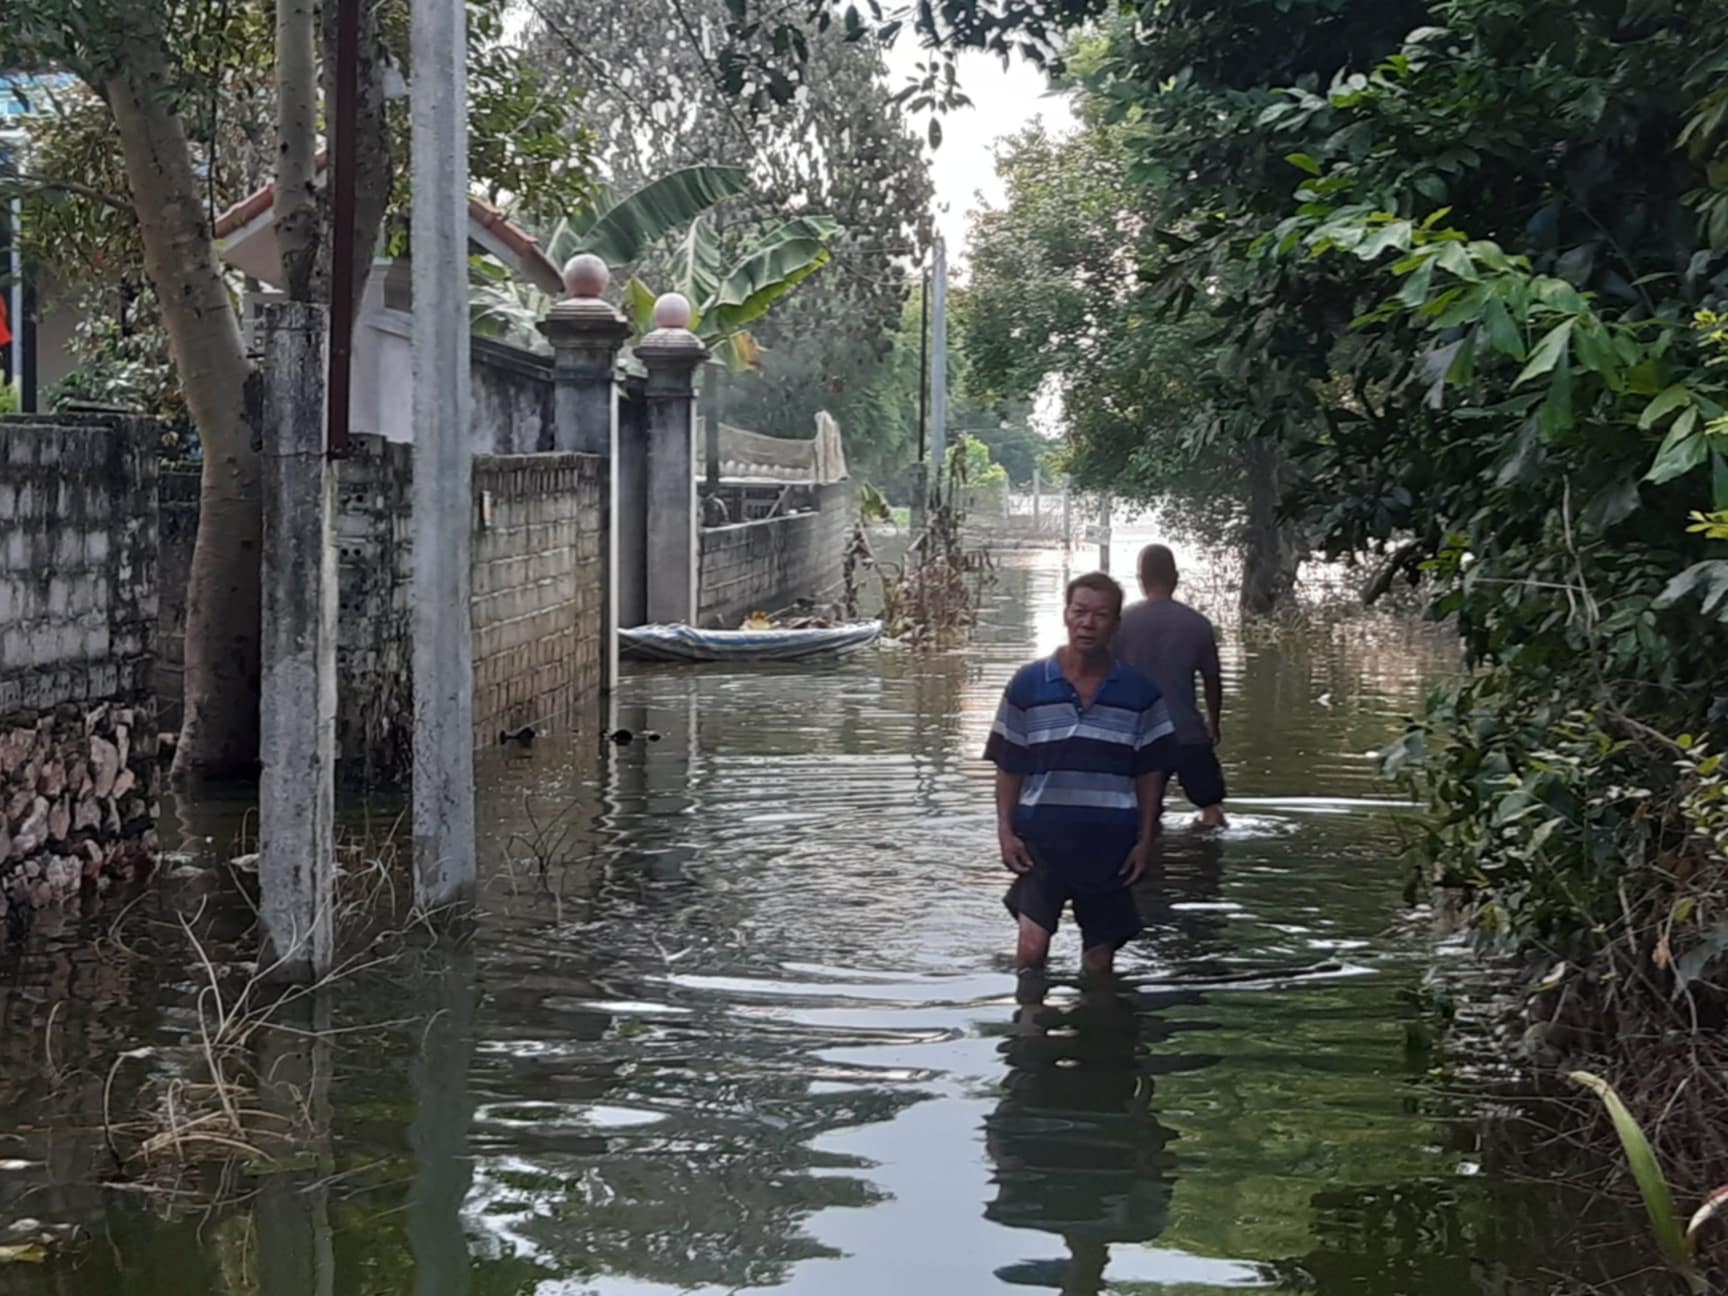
(1170, 643)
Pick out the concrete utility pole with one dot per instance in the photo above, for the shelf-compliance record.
(1106, 506)
(939, 371)
(443, 463)
(1067, 515)
(297, 710)
(921, 470)
(1037, 500)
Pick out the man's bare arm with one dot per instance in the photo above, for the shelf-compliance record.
(1014, 852)
(1214, 682)
(1149, 793)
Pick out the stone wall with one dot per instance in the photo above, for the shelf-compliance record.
(538, 589)
(768, 565)
(78, 609)
(537, 598)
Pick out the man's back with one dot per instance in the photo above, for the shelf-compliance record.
(1169, 643)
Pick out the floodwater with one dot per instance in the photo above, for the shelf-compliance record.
(738, 1016)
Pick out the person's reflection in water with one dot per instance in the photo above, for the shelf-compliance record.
(1076, 1147)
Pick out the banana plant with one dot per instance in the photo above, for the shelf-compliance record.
(616, 229)
(725, 300)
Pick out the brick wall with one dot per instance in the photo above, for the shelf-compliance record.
(538, 588)
(78, 609)
(768, 565)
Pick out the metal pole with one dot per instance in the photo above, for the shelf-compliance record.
(342, 228)
(443, 464)
(16, 313)
(939, 372)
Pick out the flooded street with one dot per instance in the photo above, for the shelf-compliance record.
(739, 1016)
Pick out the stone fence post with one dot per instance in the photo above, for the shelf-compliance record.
(671, 354)
(296, 793)
(586, 333)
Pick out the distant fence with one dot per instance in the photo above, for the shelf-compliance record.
(750, 456)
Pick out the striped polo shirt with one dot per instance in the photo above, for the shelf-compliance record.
(1080, 762)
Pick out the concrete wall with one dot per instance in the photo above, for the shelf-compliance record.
(512, 388)
(768, 565)
(374, 617)
(537, 589)
(177, 490)
(78, 608)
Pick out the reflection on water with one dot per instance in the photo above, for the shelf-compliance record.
(738, 1015)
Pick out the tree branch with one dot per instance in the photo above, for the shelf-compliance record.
(44, 184)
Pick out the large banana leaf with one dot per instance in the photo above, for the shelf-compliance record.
(777, 265)
(621, 233)
(696, 269)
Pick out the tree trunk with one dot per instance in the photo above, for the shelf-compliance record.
(1271, 549)
(296, 208)
(374, 176)
(219, 737)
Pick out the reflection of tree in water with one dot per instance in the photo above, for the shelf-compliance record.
(1428, 1236)
(716, 1196)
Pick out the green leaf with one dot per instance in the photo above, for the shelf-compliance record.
(639, 304)
(1611, 506)
(1658, 1200)
(1682, 450)
(1396, 234)
(1302, 162)
(1708, 580)
(1415, 290)
(1666, 402)
(1503, 334)
(629, 227)
(1456, 260)
(1719, 479)
(782, 261)
(1553, 345)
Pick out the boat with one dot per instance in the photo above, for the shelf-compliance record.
(682, 643)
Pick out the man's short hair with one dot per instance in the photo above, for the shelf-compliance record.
(1157, 567)
(1098, 582)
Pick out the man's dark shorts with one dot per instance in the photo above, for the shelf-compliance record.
(1103, 906)
(1200, 774)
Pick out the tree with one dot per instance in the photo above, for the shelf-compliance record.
(163, 76)
(841, 150)
(1061, 293)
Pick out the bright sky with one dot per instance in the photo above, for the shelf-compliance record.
(1004, 102)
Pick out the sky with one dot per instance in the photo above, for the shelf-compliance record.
(1004, 102)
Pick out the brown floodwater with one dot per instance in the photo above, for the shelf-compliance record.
(737, 1015)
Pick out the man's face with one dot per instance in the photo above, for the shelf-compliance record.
(1091, 618)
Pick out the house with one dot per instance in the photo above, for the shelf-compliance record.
(383, 360)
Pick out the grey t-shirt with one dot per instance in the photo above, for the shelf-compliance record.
(1169, 642)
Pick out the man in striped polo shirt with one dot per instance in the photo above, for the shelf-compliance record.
(1082, 746)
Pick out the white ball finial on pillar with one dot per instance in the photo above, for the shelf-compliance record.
(586, 275)
(672, 311)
